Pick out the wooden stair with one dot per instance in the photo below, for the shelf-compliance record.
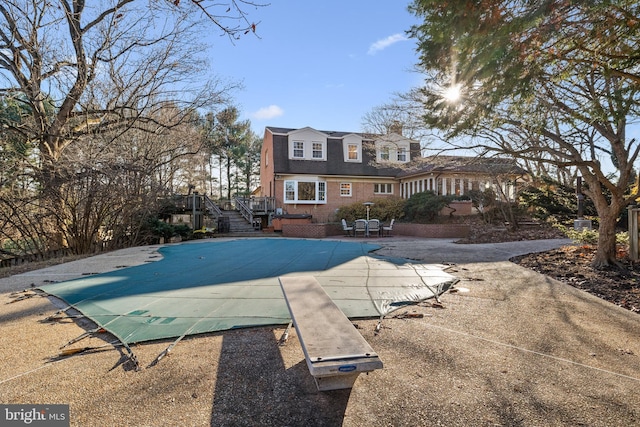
(240, 227)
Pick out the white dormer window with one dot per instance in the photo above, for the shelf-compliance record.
(317, 150)
(352, 152)
(402, 154)
(383, 154)
(307, 144)
(393, 151)
(308, 150)
(352, 148)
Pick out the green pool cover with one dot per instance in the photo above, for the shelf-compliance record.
(219, 285)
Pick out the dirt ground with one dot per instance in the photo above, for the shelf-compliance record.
(570, 264)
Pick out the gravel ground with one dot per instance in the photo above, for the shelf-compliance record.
(508, 347)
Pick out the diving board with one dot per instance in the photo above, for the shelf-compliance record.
(335, 351)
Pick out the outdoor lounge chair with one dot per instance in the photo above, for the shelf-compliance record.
(389, 228)
(347, 229)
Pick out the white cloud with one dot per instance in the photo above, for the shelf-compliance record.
(385, 43)
(269, 112)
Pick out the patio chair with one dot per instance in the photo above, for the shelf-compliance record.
(388, 228)
(347, 229)
(374, 227)
(360, 227)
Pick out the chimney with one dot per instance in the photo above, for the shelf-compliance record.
(395, 127)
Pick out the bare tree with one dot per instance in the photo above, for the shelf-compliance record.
(401, 115)
(98, 72)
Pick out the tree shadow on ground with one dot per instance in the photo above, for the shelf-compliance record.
(253, 386)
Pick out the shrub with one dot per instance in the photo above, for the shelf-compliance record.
(383, 209)
(492, 209)
(425, 206)
(155, 228)
(590, 237)
(622, 238)
(550, 199)
(584, 236)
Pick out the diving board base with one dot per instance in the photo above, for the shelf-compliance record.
(337, 382)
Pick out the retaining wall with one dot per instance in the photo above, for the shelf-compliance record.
(434, 231)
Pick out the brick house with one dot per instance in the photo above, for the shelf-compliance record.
(308, 171)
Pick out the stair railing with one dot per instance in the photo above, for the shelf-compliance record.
(211, 207)
(244, 210)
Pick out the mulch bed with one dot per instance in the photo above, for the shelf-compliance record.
(572, 265)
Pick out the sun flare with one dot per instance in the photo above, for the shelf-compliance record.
(452, 93)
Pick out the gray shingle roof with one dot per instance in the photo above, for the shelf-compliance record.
(462, 164)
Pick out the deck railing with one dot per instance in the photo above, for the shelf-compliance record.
(261, 205)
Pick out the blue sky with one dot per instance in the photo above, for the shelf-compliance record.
(322, 64)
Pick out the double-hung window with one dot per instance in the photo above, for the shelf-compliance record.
(383, 188)
(317, 150)
(305, 192)
(390, 151)
(384, 154)
(402, 154)
(352, 148)
(298, 149)
(345, 189)
(308, 150)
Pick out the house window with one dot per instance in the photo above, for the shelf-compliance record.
(305, 191)
(352, 152)
(383, 188)
(345, 189)
(384, 154)
(298, 149)
(352, 148)
(318, 152)
(393, 151)
(308, 150)
(289, 190)
(322, 191)
(402, 154)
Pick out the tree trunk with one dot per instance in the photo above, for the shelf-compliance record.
(229, 177)
(606, 252)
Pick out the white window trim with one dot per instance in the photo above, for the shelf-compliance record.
(402, 151)
(386, 185)
(293, 149)
(352, 142)
(350, 194)
(307, 150)
(395, 149)
(384, 150)
(322, 150)
(320, 187)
